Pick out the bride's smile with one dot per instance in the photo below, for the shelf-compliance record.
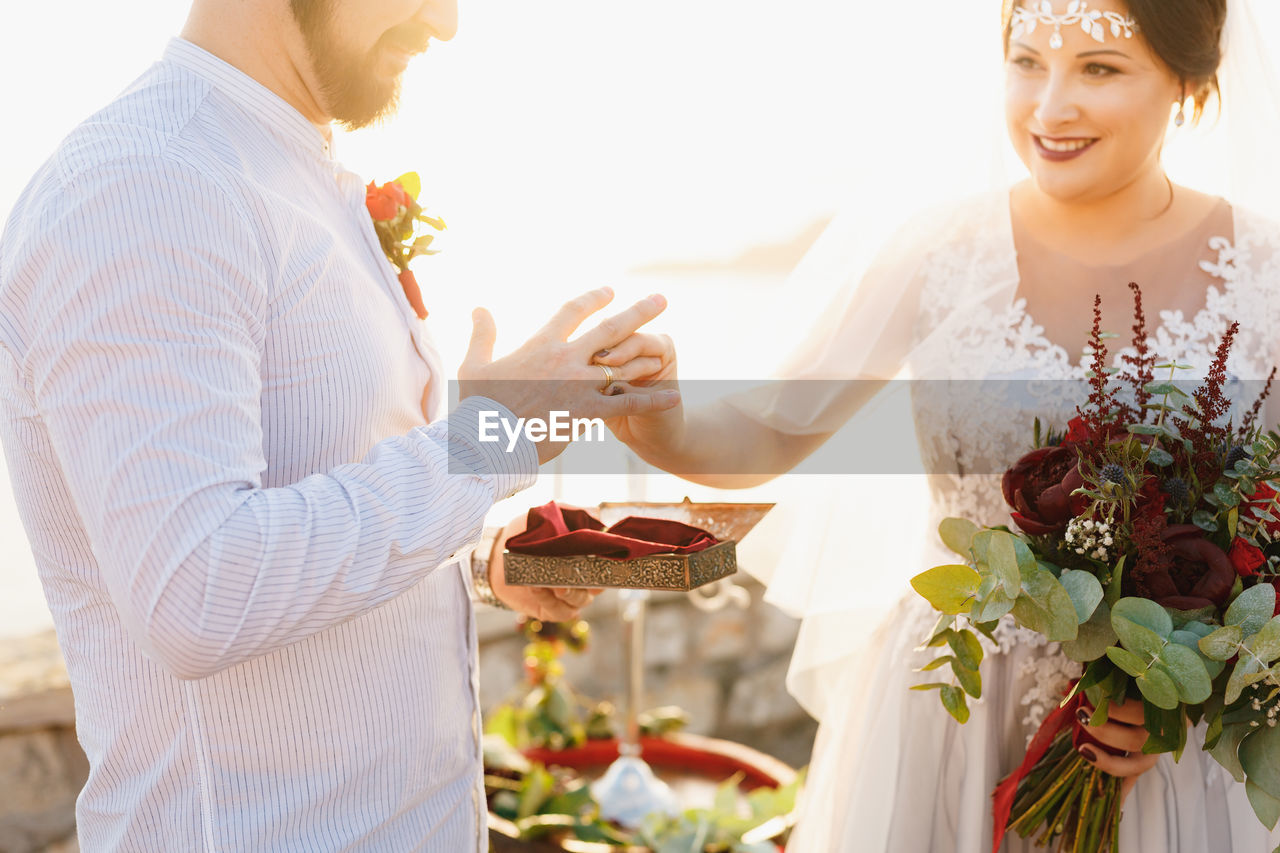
(1089, 118)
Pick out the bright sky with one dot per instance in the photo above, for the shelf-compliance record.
(569, 141)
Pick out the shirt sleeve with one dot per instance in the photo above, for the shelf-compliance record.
(148, 292)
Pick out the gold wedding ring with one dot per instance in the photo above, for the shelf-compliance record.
(608, 377)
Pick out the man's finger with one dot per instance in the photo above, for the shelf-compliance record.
(570, 316)
(616, 329)
(574, 597)
(484, 333)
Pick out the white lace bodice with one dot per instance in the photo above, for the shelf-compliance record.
(996, 372)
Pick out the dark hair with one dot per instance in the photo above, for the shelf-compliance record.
(1186, 35)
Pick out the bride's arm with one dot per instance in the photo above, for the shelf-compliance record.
(862, 338)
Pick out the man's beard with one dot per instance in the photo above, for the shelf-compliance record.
(351, 88)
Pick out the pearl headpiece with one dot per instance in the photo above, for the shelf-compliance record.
(1091, 21)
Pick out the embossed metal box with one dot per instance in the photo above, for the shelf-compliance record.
(728, 522)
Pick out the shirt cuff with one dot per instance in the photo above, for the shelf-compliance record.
(513, 466)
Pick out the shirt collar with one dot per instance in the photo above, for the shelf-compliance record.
(255, 98)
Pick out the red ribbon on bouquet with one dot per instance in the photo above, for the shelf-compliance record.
(1064, 716)
(558, 531)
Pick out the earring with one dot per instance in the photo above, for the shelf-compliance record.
(1181, 118)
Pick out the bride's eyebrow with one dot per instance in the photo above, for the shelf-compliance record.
(1028, 48)
(1089, 53)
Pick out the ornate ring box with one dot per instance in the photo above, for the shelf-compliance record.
(728, 522)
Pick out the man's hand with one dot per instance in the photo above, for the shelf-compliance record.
(552, 373)
(1124, 732)
(550, 604)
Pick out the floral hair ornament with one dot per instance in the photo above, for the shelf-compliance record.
(1091, 21)
(396, 214)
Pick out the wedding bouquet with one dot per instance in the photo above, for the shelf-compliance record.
(1149, 548)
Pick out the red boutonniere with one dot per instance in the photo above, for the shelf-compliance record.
(396, 213)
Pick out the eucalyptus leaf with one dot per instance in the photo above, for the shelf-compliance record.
(1085, 591)
(1158, 687)
(1160, 458)
(1227, 750)
(1143, 612)
(993, 602)
(1266, 643)
(1252, 608)
(1046, 607)
(1127, 661)
(1222, 643)
(953, 700)
(950, 589)
(1265, 806)
(1205, 520)
(1240, 678)
(1003, 560)
(936, 663)
(967, 649)
(1189, 673)
(1191, 640)
(957, 534)
(1260, 758)
(1142, 625)
(1226, 493)
(1093, 637)
(1115, 582)
(970, 680)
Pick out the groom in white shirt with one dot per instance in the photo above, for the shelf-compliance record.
(214, 399)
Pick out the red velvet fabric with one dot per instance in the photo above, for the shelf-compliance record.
(556, 531)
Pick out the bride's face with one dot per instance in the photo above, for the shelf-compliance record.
(1087, 118)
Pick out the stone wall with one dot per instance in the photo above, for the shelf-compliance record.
(42, 767)
(726, 669)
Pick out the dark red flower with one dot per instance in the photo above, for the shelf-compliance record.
(1246, 557)
(1201, 574)
(1039, 486)
(1077, 431)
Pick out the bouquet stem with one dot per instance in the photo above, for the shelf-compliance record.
(1073, 806)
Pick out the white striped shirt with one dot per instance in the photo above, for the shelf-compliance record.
(213, 411)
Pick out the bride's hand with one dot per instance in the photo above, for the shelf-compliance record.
(1123, 732)
(647, 362)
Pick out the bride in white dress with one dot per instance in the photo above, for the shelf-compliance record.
(998, 288)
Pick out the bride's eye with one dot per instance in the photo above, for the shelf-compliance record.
(1097, 69)
(1025, 62)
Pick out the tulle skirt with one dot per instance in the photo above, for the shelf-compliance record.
(892, 772)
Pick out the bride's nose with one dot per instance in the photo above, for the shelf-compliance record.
(1057, 105)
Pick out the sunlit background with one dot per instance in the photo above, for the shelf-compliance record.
(694, 147)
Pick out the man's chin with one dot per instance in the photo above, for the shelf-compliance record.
(369, 107)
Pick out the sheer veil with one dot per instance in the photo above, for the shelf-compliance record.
(839, 554)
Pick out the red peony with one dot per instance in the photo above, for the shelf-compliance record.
(1039, 489)
(1246, 557)
(1201, 574)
